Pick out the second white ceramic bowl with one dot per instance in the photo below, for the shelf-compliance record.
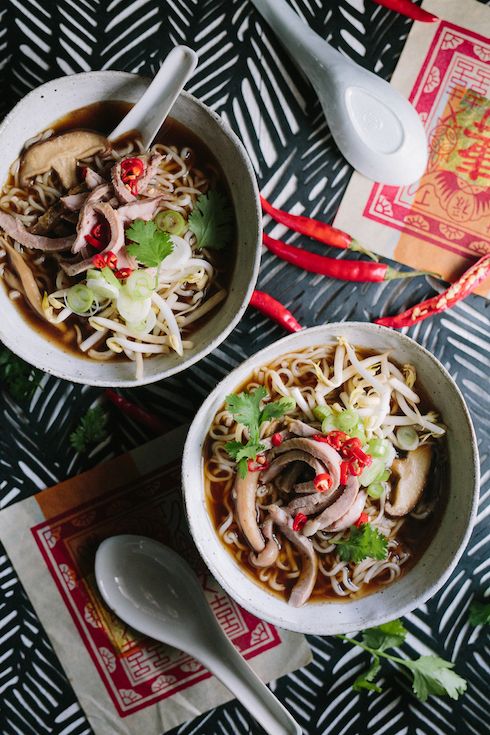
(53, 100)
(432, 569)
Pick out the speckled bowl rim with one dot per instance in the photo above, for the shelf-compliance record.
(255, 253)
(194, 442)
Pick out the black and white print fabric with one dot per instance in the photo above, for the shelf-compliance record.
(246, 76)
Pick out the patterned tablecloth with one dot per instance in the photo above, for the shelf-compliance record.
(247, 77)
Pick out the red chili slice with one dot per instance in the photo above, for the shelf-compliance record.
(123, 273)
(344, 472)
(323, 482)
(337, 438)
(320, 438)
(258, 464)
(105, 260)
(299, 521)
(363, 518)
(131, 170)
(99, 236)
(276, 439)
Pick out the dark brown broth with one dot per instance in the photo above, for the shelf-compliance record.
(414, 535)
(103, 117)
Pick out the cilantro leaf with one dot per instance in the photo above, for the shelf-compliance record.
(434, 675)
(479, 613)
(211, 221)
(366, 679)
(277, 409)
(149, 245)
(388, 635)
(363, 543)
(246, 410)
(20, 379)
(241, 453)
(90, 431)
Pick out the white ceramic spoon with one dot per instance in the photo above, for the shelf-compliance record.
(155, 591)
(152, 108)
(376, 128)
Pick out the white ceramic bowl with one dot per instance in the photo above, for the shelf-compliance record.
(451, 537)
(37, 111)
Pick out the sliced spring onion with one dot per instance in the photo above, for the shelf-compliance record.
(140, 284)
(376, 490)
(321, 412)
(145, 326)
(132, 310)
(110, 277)
(378, 448)
(171, 222)
(103, 285)
(407, 438)
(359, 432)
(347, 420)
(328, 424)
(372, 473)
(79, 299)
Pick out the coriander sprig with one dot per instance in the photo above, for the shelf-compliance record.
(149, 245)
(211, 221)
(431, 674)
(479, 613)
(91, 430)
(246, 410)
(363, 543)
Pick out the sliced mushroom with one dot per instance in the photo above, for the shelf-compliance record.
(303, 588)
(60, 153)
(246, 491)
(335, 511)
(269, 554)
(411, 473)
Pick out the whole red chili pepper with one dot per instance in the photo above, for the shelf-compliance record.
(140, 415)
(456, 292)
(406, 7)
(274, 310)
(316, 229)
(343, 270)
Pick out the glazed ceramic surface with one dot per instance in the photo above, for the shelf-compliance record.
(451, 537)
(55, 99)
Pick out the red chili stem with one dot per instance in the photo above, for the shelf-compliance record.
(274, 310)
(140, 415)
(406, 7)
(316, 229)
(343, 270)
(435, 305)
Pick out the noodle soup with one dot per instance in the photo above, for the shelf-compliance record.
(67, 256)
(324, 473)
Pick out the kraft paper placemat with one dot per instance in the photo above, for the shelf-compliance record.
(442, 222)
(127, 683)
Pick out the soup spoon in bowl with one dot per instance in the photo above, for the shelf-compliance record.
(152, 108)
(152, 589)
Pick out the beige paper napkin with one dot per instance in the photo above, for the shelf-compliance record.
(442, 222)
(126, 683)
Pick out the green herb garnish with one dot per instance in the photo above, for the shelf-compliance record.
(246, 410)
(149, 245)
(363, 543)
(211, 221)
(431, 674)
(479, 613)
(20, 379)
(91, 430)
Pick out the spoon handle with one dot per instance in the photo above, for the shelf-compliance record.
(309, 50)
(224, 661)
(151, 110)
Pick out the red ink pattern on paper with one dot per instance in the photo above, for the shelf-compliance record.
(450, 206)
